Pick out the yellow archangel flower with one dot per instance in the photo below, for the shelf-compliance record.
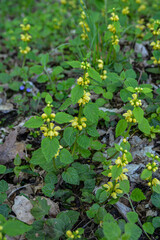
(114, 189)
(129, 116)
(25, 51)
(100, 63)
(79, 124)
(114, 17)
(50, 131)
(85, 99)
(25, 27)
(25, 37)
(111, 28)
(125, 11)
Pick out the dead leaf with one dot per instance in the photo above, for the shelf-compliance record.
(11, 148)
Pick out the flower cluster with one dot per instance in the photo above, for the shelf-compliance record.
(85, 65)
(113, 189)
(75, 234)
(135, 102)
(84, 26)
(112, 27)
(85, 99)
(155, 60)
(103, 73)
(115, 40)
(156, 45)
(154, 27)
(125, 11)
(141, 8)
(48, 129)
(83, 81)
(114, 17)
(129, 116)
(25, 37)
(80, 124)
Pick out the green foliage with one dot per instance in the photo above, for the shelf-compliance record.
(49, 148)
(137, 195)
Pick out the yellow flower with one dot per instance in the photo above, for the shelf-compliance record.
(114, 189)
(56, 155)
(135, 102)
(129, 116)
(100, 63)
(104, 75)
(85, 99)
(25, 51)
(111, 28)
(125, 11)
(25, 37)
(80, 125)
(25, 27)
(114, 17)
(155, 181)
(142, 8)
(83, 81)
(63, 2)
(115, 40)
(69, 233)
(85, 65)
(156, 45)
(50, 131)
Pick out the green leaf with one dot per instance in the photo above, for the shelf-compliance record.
(74, 64)
(146, 174)
(65, 156)
(44, 59)
(108, 95)
(138, 114)
(121, 127)
(17, 160)
(124, 185)
(37, 157)
(62, 117)
(70, 135)
(137, 195)
(37, 69)
(3, 186)
(144, 126)
(116, 171)
(91, 112)
(94, 74)
(49, 148)
(156, 188)
(40, 208)
(4, 77)
(133, 230)
(34, 122)
(48, 190)
(71, 176)
(42, 78)
(98, 157)
(2, 169)
(131, 82)
(57, 70)
(156, 222)
(14, 227)
(132, 217)
(111, 230)
(66, 104)
(76, 93)
(4, 210)
(155, 198)
(48, 99)
(83, 141)
(148, 227)
(37, 227)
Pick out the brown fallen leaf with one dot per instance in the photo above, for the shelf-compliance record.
(11, 148)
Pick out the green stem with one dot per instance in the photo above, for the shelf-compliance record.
(54, 164)
(129, 128)
(108, 55)
(24, 60)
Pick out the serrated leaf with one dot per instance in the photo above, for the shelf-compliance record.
(91, 112)
(111, 230)
(146, 174)
(148, 227)
(83, 141)
(40, 208)
(65, 156)
(144, 126)
(133, 230)
(155, 198)
(2, 169)
(57, 70)
(94, 74)
(137, 195)
(132, 217)
(124, 185)
(49, 148)
(116, 171)
(76, 93)
(37, 69)
(14, 227)
(71, 176)
(37, 157)
(74, 64)
(121, 127)
(34, 122)
(138, 114)
(48, 99)
(62, 117)
(69, 135)
(66, 104)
